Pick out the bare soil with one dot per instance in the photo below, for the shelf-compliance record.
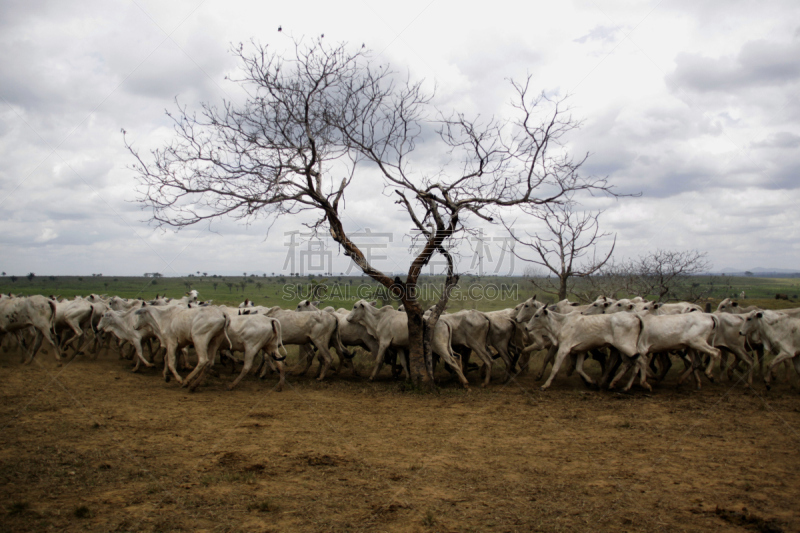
(90, 446)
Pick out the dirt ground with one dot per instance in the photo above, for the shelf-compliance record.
(92, 447)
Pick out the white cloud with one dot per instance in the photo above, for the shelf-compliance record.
(692, 103)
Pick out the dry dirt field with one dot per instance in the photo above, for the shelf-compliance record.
(92, 447)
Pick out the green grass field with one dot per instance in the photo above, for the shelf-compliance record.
(486, 293)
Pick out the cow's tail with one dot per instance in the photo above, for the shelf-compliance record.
(52, 315)
(449, 339)
(225, 329)
(337, 339)
(715, 327)
(276, 330)
(95, 312)
(639, 338)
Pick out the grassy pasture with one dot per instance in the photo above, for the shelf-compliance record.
(484, 293)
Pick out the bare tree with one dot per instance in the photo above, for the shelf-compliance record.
(663, 274)
(568, 249)
(313, 118)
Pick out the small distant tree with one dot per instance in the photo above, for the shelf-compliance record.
(13, 279)
(748, 274)
(243, 284)
(568, 247)
(663, 274)
(30, 276)
(5, 274)
(215, 286)
(259, 285)
(230, 286)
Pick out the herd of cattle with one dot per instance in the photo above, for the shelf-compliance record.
(629, 337)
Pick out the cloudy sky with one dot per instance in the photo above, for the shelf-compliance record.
(692, 104)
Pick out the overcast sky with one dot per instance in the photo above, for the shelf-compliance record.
(693, 104)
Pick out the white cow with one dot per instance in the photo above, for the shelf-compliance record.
(689, 330)
(252, 333)
(577, 333)
(729, 306)
(390, 327)
(122, 324)
(72, 316)
(779, 333)
(505, 336)
(660, 308)
(177, 327)
(121, 304)
(727, 338)
(317, 328)
(350, 333)
(17, 314)
(470, 330)
(565, 307)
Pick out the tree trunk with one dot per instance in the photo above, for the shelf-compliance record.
(418, 349)
(562, 289)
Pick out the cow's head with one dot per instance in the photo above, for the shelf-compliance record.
(526, 309)
(106, 320)
(598, 307)
(750, 323)
(359, 312)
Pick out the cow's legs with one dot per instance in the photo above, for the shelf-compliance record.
(249, 356)
(523, 359)
(281, 374)
(579, 369)
(205, 360)
(401, 362)
(378, 361)
(451, 361)
(612, 364)
(560, 356)
(307, 355)
(740, 356)
(37, 343)
(508, 361)
(627, 363)
(327, 359)
(640, 369)
(137, 346)
(551, 354)
(665, 365)
(783, 356)
(688, 366)
(169, 363)
(77, 333)
(487, 364)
